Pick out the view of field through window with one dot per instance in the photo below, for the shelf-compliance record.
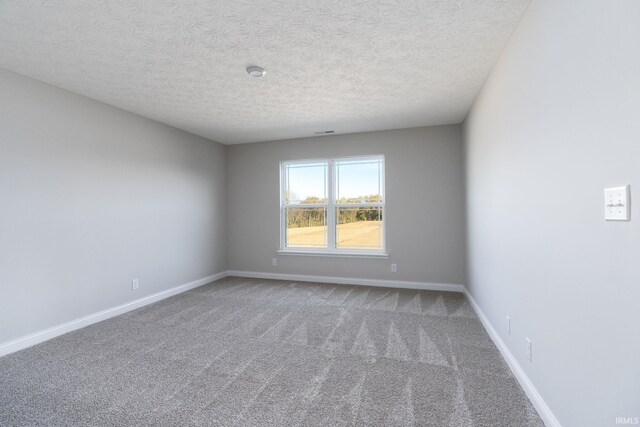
(357, 204)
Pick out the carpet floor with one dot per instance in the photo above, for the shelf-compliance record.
(244, 352)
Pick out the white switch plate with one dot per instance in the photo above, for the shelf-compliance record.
(134, 284)
(616, 203)
(508, 325)
(274, 261)
(529, 350)
(394, 268)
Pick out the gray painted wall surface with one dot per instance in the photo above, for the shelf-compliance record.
(425, 204)
(91, 197)
(556, 123)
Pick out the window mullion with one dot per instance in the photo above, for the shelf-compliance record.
(331, 212)
(359, 205)
(283, 222)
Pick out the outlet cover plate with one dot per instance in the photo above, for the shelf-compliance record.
(616, 203)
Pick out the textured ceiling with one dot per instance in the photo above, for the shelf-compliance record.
(343, 65)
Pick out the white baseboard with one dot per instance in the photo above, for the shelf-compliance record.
(47, 334)
(536, 399)
(350, 281)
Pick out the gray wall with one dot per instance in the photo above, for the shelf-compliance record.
(91, 197)
(556, 123)
(425, 204)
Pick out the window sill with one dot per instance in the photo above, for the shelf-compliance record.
(379, 255)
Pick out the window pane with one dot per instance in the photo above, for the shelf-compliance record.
(359, 228)
(359, 181)
(306, 228)
(306, 183)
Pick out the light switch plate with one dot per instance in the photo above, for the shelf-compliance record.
(616, 203)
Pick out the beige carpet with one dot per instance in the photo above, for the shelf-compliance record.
(262, 352)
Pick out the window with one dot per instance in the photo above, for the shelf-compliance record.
(333, 206)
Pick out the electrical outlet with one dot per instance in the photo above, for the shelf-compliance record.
(616, 203)
(274, 261)
(508, 325)
(394, 268)
(134, 284)
(529, 350)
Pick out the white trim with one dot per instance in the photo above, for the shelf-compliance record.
(331, 189)
(47, 334)
(536, 399)
(331, 210)
(334, 254)
(448, 287)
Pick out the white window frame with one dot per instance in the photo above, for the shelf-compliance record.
(331, 249)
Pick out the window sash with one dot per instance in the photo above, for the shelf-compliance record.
(285, 179)
(351, 161)
(331, 205)
(376, 210)
(322, 244)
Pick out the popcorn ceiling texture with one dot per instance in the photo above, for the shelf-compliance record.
(343, 65)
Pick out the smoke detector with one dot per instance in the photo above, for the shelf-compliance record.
(256, 71)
